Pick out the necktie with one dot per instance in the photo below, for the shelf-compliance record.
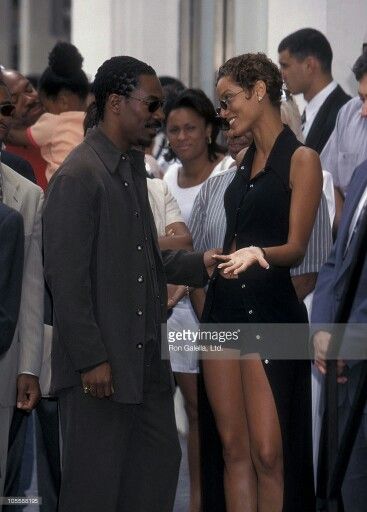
(303, 119)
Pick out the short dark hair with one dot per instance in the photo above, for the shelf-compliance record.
(248, 68)
(360, 66)
(198, 101)
(118, 75)
(64, 71)
(309, 42)
(172, 83)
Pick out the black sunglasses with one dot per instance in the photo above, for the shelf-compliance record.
(152, 105)
(224, 103)
(7, 109)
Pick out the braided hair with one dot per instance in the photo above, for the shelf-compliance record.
(64, 71)
(118, 75)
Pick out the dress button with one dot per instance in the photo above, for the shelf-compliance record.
(258, 337)
(250, 312)
(139, 247)
(126, 184)
(139, 312)
(243, 285)
(139, 345)
(266, 361)
(140, 279)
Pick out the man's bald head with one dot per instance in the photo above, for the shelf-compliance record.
(28, 108)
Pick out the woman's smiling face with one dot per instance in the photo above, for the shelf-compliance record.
(187, 133)
(241, 106)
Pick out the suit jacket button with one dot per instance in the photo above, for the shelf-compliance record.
(250, 312)
(139, 312)
(140, 279)
(139, 247)
(139, 346)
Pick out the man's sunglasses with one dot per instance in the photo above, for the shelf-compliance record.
(7, 109)
(152, 105)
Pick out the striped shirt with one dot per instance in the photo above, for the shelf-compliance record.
(208, 225)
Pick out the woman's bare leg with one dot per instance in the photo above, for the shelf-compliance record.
(188, 385)
(265, 435)
(224, 389)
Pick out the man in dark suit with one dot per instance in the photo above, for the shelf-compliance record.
(330, 288)
(107, 278)
(305, 59)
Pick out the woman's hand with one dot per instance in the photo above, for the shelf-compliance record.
(240, 261)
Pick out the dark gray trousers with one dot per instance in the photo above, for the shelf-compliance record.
(120, 457)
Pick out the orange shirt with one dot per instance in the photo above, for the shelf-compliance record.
(57, 136)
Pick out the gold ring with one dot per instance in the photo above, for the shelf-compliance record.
(86, 389)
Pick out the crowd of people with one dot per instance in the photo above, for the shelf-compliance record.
(131, 209)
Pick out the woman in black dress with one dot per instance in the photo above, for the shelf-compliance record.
(262, 407)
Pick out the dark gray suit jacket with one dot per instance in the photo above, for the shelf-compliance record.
(96, 240)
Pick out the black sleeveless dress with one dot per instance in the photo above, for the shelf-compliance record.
(257, 212)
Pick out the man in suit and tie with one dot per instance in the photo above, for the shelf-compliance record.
(20, 366)
(305, 59)
(330, 288)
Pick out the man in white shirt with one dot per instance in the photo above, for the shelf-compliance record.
(347, 146)
(305, 59)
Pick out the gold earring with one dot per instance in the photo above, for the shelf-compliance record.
(259, 98)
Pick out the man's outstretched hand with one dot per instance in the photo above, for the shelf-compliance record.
(209, 262)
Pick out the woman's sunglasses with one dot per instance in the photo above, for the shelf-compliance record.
(7, 109)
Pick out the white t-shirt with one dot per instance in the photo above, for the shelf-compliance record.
(185, 197)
